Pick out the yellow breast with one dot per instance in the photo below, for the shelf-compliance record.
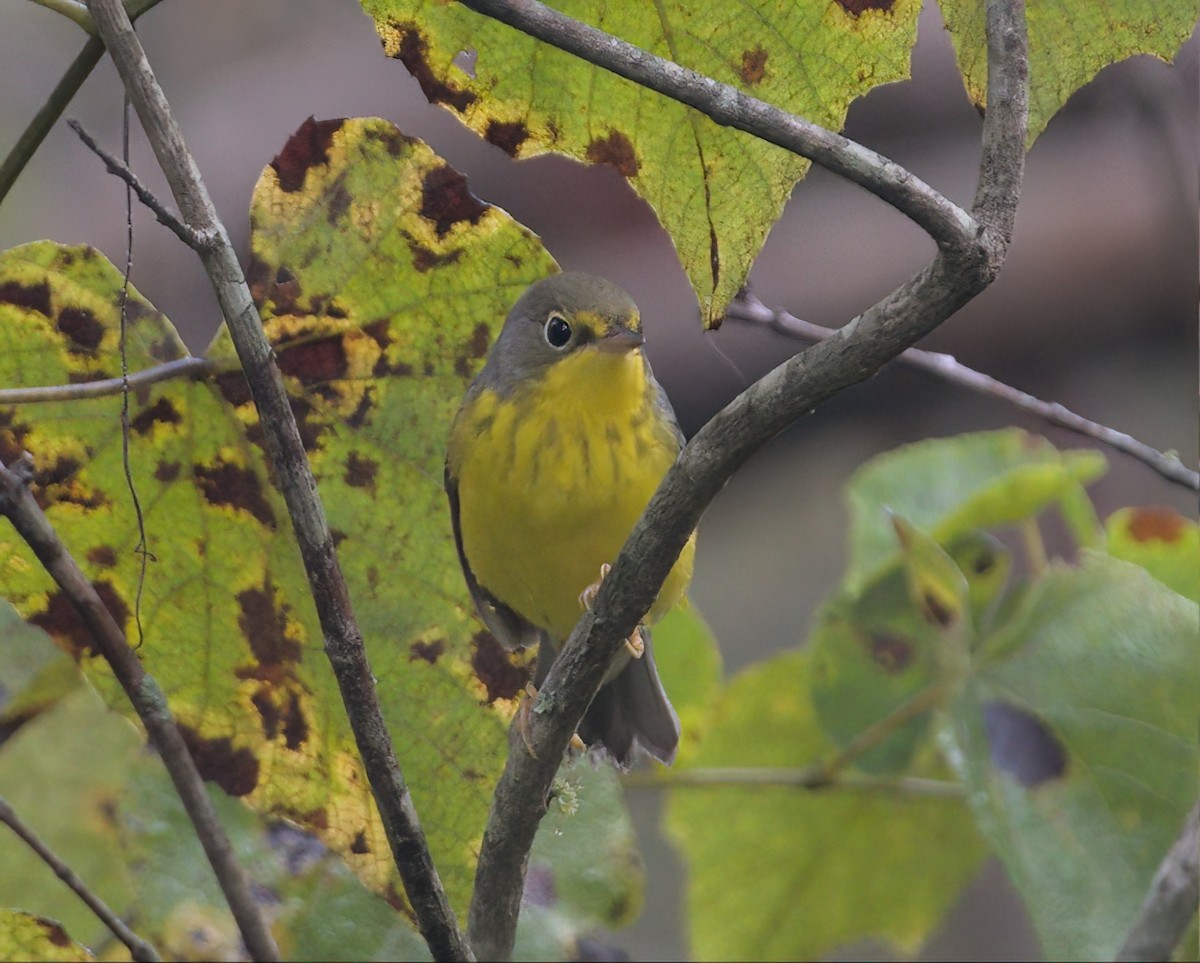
(552, 479)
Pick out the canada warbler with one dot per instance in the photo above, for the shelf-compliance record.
(560, 442)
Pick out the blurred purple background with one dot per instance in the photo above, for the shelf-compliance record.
(1096, 307)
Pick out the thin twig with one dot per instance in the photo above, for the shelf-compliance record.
(164, 215)
(792, 390)
(180, 368)
(945, 366)
(343, 639)
(63, 93)
(944, 221)
(808, 778)
(1170, 905)
(17, 502)
(139, 949)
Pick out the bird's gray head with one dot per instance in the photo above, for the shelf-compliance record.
(554, 318)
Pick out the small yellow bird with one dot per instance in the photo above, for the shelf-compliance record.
(560, 442)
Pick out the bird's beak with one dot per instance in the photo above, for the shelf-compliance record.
(620, 341)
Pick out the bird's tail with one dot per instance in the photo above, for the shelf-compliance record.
(633, 710)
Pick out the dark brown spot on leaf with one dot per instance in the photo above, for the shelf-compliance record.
(339, 200)
(857, 8)
(226, 484)
(445, 199)
(481, 338)
(393, 141)
(312, 361)
(55, 934)
(233, 387)
(162, 411)
(306, 148)
(360, 846)
(360, 471)
(427, 651)
(81, 326)
(414, 54)
(33, 297)
(103, 555)
(233, 769)
(1021, 745)
(934, 611)
(166, 471)
(754, 66)
(891, 652)
(494, 665)
(359, 416)
(615, 149)
(295, 726)
(507, 136)
(267, 711)
(62, 621)
(423, 258)
(1156, 523)
(380, 332)
(263, 621)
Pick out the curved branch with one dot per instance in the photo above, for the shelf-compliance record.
(147, 699)
(850, 355)
(180, 368)
(749, 308)
(343, 639)
(947, 223)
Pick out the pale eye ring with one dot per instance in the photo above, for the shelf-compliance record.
(557, 331)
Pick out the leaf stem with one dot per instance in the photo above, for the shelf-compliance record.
(139, 949)
(790, 778)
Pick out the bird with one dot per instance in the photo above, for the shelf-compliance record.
(561, 440)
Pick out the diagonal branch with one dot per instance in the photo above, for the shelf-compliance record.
(944, 221)
(191, 367)
(1170, 905)
(17, 502)
(139, 949)
(852, 354)
(343, 639)
(1168, 464)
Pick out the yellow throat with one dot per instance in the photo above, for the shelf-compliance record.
(552, 479)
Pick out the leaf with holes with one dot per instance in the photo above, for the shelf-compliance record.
(716, 190)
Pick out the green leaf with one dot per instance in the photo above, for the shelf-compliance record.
(689, 664)
(950, 486)
(717, 191)
(1070, 41)
(382, 281)
(317, 908)
(34, 672)
(1161, 541)
(62, 772)
(782, 873)
(24, 936)
(1079, 749)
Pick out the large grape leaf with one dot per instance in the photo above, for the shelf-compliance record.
(24, 936)
(1079, 749)
(381, 281)
(717, 191)
(1070, 41)
(782, 873)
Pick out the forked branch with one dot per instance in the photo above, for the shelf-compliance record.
(968, 261)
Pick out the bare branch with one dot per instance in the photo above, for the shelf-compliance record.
(164, 216)
(852, 354)
(1170, 905)
(64, 92)
(139, 949)
(945, 366)
(343, 639)
(17, 502)
(188, 367)
(785, 778)
(943, 220)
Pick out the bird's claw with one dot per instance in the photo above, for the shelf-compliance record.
(588, 596)
(636, 644)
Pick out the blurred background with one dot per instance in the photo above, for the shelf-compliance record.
(1096, 307)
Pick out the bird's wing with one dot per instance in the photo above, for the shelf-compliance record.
(663, 405)
(507, 626)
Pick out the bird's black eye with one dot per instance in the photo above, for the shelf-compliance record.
(558, 332)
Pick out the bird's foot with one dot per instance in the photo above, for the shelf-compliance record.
(522, 723)
(588, 596)
(635, 644)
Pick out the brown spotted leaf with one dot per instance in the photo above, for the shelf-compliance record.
(717, 191)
